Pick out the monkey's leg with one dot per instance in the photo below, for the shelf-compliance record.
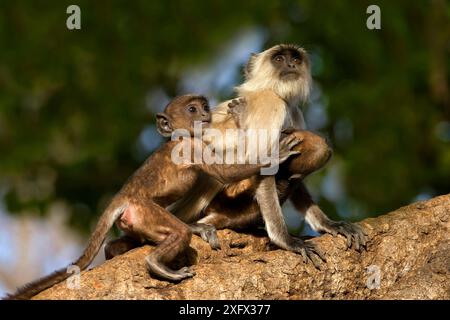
(233, 213)
(155, 224)
(314, 154)
(315, 217)
(237, 209)
(208, 233)
(120, 246)
(266, 195)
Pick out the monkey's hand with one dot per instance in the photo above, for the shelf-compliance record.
(286, 147)
(308, 251)
(236, 108)
(289, 130)
(207, 232)
(355, 234)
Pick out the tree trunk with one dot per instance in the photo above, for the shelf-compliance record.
(407, 257)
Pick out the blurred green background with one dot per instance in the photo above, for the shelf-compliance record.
(77, 107)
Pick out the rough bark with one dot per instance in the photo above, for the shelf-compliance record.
(410, 247)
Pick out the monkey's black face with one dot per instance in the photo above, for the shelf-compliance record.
(288, 63)
(198, 110)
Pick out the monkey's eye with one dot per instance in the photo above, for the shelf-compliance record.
(206, 108)
(192, 109)
(297, 60)
(279, 58)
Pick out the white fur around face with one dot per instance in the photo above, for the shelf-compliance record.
(274, 103)
(261, 75)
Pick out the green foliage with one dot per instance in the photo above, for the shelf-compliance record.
(72, 103)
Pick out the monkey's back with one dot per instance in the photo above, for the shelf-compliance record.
(159, 178)
(265, 110)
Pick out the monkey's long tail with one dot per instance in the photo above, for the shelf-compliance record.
(105, 223)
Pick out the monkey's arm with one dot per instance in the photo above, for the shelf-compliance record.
(220, 112)
(267, 198)
(227, 173)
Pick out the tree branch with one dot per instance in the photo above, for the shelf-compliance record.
(410, 248)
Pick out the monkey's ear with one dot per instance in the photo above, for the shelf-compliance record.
(163, 125)
(249, 66)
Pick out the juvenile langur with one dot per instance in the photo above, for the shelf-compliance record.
(139, 207)
(276, 82)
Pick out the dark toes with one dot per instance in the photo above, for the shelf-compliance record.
(214, 243)
(186, 272)
(360, 237)
(316, 256)
(208, 233)
(349, 239)
(316, 262)
(363, 240)
(309, 253)
(212, 239)
(304, 255)
(359, 243)
(354, 234)
(320, 254)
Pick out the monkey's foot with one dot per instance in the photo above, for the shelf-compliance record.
(159, 270)
(308, 251)
(120, 246)
(207, 232)
(355, 234)
(185, 272)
